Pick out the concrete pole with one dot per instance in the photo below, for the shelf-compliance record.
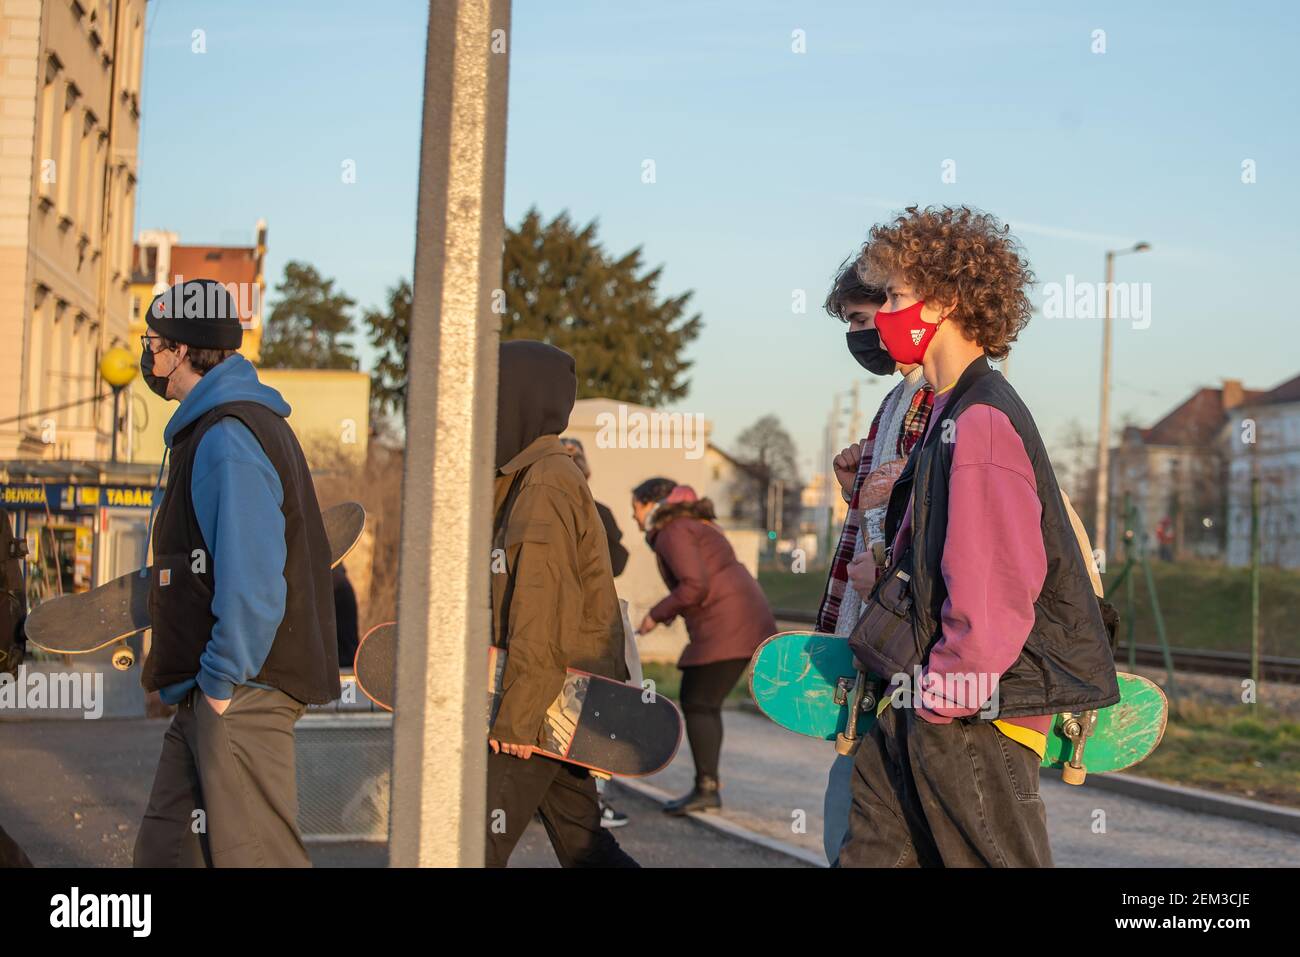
(440, 729)
(1103, 426)
(1103, 423)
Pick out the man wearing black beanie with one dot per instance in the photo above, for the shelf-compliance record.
(240, 597)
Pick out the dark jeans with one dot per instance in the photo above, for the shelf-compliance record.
(11, 855)
(237, 768)
(944, 795)
(565, 797)
(704, 688)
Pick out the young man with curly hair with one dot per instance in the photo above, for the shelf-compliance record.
(866, 472)
(1001, 628)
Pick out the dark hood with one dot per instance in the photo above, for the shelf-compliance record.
(536, 389)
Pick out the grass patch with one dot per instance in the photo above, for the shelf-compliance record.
(1208, 606)
(1205, 606)
(790, 591)
(1250, 751)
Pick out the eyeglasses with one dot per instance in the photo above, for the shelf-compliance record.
(144, 341)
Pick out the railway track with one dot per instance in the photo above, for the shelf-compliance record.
(1230, 663)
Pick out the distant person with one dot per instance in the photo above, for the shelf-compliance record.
(243, 640)
(618, 556)
(553, 607)
(13, 597)
(345, 616)
(1165, 538)
(13, 611)
(866, 472)
(726, 615)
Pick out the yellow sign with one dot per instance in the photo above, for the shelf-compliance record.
(121, 497)
(24, 495)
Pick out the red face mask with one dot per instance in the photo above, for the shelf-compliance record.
(904, 334)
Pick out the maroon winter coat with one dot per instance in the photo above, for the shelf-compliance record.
(726, 613)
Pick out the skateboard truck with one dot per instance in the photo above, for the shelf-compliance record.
(1076, 726)
(860, 694)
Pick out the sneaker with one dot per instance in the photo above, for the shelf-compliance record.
(610, 817)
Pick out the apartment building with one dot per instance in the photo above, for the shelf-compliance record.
(70, 74)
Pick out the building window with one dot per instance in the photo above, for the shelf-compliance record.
(67, 172)
(86, 172)
(47, 175)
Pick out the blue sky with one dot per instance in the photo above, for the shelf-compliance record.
(771, 165)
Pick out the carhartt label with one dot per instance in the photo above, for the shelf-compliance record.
(132, 911)
(164, 576)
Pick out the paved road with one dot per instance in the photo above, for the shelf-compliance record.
(72, 793)
(773, 783)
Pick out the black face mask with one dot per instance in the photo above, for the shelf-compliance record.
(865, 347)
(157, 384)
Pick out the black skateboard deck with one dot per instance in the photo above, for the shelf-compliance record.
(89, 621)
(595, 722)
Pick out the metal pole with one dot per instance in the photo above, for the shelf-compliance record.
(1103, 425)
(1255, 561)
(780, 507)
(1130, 606)
(439, 809)
(117, 396)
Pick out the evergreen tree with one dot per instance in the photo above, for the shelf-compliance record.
(561, 287)
(390, 335)
(307, 323)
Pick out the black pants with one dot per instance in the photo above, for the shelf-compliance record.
(704, 688)
(565, 797)
(944, 795)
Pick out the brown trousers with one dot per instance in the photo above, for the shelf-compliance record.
(225, 794)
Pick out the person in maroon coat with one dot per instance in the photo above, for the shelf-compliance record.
(726, 615)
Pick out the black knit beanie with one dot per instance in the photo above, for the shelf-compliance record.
(199, 313)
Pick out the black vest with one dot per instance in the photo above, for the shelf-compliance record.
(303, 661)
(1067, 663)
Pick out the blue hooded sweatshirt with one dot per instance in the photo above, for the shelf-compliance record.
(237, 500)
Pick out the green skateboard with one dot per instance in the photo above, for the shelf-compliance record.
(809, 683)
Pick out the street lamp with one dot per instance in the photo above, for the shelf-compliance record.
(1103, 427)
(117, 367)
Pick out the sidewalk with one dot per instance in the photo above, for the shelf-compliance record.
(72, 794)
(774, 780)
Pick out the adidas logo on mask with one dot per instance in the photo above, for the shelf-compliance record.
(916, 336)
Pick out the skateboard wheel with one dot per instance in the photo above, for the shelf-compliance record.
(124, 659)
(1072, 775)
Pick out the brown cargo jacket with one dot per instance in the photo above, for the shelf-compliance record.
(554, 605)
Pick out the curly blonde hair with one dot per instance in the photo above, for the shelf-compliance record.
(956, 254)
